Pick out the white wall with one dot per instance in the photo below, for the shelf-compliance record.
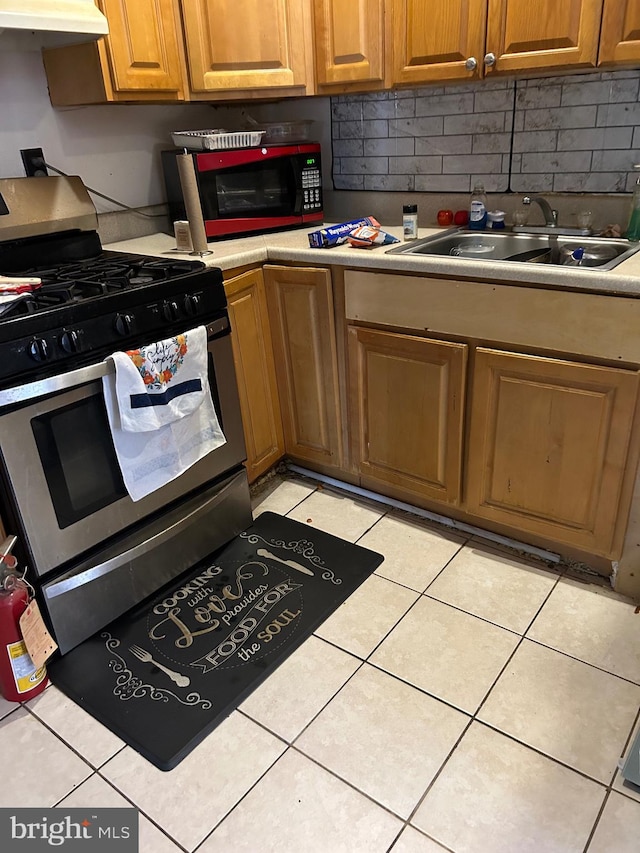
(113, 148)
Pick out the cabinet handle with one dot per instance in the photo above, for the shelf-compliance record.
(490, 59)
(471, 64)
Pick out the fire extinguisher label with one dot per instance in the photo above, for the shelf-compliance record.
(25, 675)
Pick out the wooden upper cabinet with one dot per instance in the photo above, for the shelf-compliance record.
(255, 372)
(548, 447)
(406, 398)
(522, 34)
(140, 59)
(445, 40)
(300, 302)
(620, 35)
(142, 45)
(240, 45)
(349, 43)
(436, 39)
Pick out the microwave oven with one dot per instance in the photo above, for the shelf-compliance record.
(250, 190)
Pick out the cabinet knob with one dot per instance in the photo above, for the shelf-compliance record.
(471, 64)
(489, 59)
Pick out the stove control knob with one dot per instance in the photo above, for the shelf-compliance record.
(125, 324)
(171, 311)
(71, 341)
(192, 305)
(39, 350)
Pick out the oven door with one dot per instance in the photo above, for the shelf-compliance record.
(65, 493)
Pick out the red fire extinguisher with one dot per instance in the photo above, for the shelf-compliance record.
(19, 678)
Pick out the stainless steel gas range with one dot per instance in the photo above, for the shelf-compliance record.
(92, 552)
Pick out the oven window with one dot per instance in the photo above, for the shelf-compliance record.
(78, 459)
(257, 189)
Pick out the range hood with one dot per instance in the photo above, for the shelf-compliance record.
(58, 22)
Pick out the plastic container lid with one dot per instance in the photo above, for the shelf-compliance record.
(409, 208)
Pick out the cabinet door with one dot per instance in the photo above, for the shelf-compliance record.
(544, 34)
(620, 35)
(140, 60)
(407, 400)
(304, 341)
(548, 446)
(433, 39)
(349, 42)
(142, 45)
(255, 371)
(245, 44)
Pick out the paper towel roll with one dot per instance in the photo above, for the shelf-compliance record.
(191, 198)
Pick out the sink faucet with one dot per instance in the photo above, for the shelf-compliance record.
(550, 215)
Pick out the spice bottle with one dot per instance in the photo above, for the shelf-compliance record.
(410, 221)
(478, 208)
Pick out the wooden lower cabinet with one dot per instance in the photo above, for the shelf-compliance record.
(255, 372)
(406, 397)
(300, 302)
(548, 447)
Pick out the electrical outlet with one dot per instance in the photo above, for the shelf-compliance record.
(33, 160)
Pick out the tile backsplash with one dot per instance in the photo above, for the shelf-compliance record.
(577, 133)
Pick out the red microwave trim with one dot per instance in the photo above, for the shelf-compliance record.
(242, 156)
(224, 227)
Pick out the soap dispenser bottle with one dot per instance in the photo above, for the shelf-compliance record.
(478, 208)
(633, 228)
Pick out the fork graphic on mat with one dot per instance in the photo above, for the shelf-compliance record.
(145, 657)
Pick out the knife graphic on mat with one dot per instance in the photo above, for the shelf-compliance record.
(291, 563)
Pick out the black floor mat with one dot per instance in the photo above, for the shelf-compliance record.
(163, 676)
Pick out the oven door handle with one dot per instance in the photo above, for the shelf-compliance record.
(81, 376)
(53, 384)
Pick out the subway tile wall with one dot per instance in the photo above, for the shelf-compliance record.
(577, 133)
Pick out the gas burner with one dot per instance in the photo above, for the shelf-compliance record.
(92, 278)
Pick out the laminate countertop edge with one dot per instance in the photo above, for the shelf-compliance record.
(293, 247)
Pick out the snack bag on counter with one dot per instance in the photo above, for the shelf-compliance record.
(366, 237)
(334, 235)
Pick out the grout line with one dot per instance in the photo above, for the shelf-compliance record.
(580, 660)
(520, 642)
(151, 820)
(69, 746)
(242, 798)
(597, 821)
(541, 753)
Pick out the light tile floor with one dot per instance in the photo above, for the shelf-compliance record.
(462, 699)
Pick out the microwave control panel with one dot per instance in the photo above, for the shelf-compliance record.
(311, 189)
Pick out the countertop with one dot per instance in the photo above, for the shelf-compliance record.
(293, 246)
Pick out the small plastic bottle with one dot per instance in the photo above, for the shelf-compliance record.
(633, 228)
(410, 221)
(478, 208)
(496, 219)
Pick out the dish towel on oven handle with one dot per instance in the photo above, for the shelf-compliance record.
(150, 458)
(162, 382)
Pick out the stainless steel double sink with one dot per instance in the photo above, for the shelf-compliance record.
(560, 249)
